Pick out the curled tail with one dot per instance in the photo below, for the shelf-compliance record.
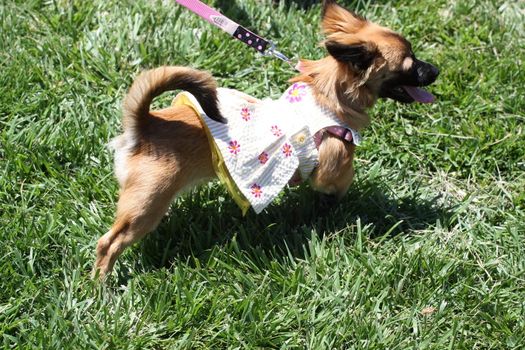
(154, 82)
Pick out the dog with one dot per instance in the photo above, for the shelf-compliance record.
(163, 152)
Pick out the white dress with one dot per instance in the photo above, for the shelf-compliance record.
(265, 142)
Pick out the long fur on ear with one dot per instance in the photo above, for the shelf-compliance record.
(337, 19)
(326, 4)
(361, 55)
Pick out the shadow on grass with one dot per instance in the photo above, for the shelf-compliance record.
(234, 11)
(193, 230)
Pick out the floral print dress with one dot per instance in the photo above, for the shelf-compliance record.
(265, 142)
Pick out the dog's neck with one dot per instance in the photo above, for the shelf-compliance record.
(330, 85)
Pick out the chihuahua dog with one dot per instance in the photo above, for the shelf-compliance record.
(163, 152)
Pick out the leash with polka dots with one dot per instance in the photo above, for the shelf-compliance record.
(265, 47)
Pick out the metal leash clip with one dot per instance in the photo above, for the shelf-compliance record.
(272, 51)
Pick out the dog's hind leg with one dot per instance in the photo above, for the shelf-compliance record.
(140, 208)
(144, 199)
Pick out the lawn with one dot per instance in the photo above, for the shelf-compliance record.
(427, 250)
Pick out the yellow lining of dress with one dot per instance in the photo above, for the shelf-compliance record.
(219, 165)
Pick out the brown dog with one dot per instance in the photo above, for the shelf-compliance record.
(163, 152)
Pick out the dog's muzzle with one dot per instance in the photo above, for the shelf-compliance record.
(425, 73)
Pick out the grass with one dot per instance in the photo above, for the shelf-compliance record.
(427, 251)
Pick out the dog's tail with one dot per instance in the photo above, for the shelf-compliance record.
(151, 83)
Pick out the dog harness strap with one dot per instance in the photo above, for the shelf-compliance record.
(336, 130)
(342, 133)
(263, 46)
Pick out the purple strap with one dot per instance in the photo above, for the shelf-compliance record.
(339, 131)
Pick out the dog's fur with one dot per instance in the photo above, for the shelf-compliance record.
(163, 152)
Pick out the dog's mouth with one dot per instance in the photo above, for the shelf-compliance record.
(409, 86)
(418, 94)
(408, 94)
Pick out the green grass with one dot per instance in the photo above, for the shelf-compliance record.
(435, 218)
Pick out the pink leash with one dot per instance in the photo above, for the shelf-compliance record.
(265, 47)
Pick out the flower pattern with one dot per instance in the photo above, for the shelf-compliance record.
(246, 114)
(276, 131)
(296, 93)
(263, 158)
(287, 150)
(234, 147)
(256, 190)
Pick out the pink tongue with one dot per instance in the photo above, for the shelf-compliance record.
(418, 94)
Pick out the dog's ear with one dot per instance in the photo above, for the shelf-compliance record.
(326, 4)
(360, 55)
(336, 19)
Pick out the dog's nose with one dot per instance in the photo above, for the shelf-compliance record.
(427, 73)
(434, 71)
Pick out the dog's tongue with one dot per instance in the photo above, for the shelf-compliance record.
(418, 94)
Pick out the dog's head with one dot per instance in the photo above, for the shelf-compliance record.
(383, 59)
(366, 62)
